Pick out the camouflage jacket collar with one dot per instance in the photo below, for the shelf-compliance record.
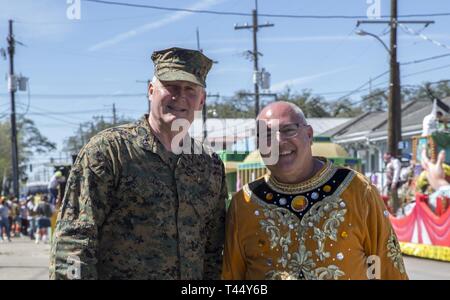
(148, 141)
(144, 136)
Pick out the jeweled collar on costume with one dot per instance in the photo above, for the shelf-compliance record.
(325, 172)
(299, 198)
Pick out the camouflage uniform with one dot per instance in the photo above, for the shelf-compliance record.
(133, 210)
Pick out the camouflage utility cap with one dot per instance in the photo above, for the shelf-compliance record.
(181, 64)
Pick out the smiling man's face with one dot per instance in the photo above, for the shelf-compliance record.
(294, 139)
(171, 100)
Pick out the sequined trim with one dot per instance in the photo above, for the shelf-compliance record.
(284, 228)
(394, 252)
(325, 174)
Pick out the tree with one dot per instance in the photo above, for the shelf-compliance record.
(313, 106)
(29, 141)
(431, 91)
(240, 105)
(374, 101)
(377, 100)
(87, 130)
(344, 109)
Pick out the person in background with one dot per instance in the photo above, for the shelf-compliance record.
(442, 121)
(31, 216)
(23, 217)
(407, 173)
(61, 190)
(393, 167)
(4, 220)
(15, 218)
(53, 186)
(43, 213)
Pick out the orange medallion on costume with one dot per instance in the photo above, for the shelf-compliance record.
(326, 188)
(299, 203)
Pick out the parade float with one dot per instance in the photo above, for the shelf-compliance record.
(423, 227)
(231, 160)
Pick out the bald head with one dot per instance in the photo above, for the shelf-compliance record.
(291, 144)
(281, 110)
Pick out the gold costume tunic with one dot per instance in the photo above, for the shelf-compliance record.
(332, 226)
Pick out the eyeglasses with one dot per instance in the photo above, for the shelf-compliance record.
(287, 131)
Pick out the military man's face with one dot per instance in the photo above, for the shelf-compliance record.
(171, 100)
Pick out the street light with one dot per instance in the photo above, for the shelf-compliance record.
(364, 33)
(394, 107)
(394, 128)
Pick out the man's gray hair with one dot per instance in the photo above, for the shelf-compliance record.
(155, 80)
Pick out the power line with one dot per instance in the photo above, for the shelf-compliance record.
(424, 59)
(51, 114)
(85, 95)
(63, 121)
(69, 112)
(416, 73)
(412, 86)
(422, 36)
(360, 88)
(3, 113)
(53, 117)
(369, 97)
(29, 100)
(427, 71)
(229, 13)
(83, 20)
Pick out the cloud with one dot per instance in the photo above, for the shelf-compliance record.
(222, 50)
(337, 38)
(35, 20)
(223, 70)
(311, 39)
(168, 19)
(279, 86)
(319, 38)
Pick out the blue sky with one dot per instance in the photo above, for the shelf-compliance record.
(109, 48)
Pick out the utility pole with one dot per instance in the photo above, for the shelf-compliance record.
(12, 90)
(394, 105)
(394, 130)
(147, 96)
(114, 114)
(204, 109)
(255, 26)
(394, 111)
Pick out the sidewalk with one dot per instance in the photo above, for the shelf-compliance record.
(22, 259)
